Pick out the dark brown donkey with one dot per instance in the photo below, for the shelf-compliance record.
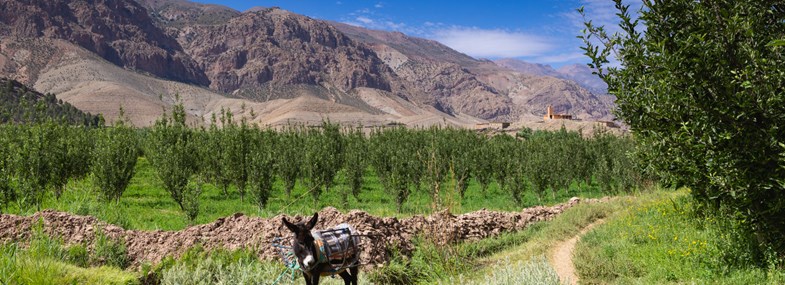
(314, 257)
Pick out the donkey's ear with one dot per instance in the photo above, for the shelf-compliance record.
(289, 225)
(312, 222)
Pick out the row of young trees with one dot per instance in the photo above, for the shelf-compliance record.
(43, 157)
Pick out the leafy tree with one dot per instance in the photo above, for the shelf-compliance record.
(173, 151)
(216, 161)
(464, 153)
(538, 167)
(261, 165)
(501, 146)
(518, 179)
(35, 159)
(356, 160)
(704, 93)
(7, 193)
(289, 149)
(323, 157)
(436, 156)
(394, 159)
(71, 155)
(484, 163)
(236, 155)
(115, 155)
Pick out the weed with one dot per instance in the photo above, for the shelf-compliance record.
(108, 251)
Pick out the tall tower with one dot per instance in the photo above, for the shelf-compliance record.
(548, 113)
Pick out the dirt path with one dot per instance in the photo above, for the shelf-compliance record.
(561, 256)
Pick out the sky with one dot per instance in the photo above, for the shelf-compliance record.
(539, 31)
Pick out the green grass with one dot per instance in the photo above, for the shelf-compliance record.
(518, 258)
(47, 261)
(146, 205)
(662, 240)
(198, 266)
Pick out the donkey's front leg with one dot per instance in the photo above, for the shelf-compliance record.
(307, 278)
(315, 279)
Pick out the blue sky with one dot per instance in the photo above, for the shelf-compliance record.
(541, 31)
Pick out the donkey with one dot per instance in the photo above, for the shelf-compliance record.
(313, 263)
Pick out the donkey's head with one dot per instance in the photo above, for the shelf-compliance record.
(303, 243)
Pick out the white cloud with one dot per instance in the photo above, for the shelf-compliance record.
(495, 43)
(364, 20)
(379, 5)
(560, 58)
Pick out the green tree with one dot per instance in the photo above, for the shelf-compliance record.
(501, 147)
(394, 158)
(7, 193)
(261, 165)
(114, 159)
(173, 151)
(323, 157)
(35, 160)
(236, 155)
(483, 164)
(289, 149)
(356, 160)
(704, 93)
(216, 156)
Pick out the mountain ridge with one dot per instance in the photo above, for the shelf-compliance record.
(264, 57)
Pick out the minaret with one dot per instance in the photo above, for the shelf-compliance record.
(549, 113)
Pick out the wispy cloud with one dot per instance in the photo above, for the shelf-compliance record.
(379, 5)
(364, 20)
(493, 43)
(559, 58)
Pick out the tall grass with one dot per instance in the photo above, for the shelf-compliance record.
(665, 240)
(48, 261)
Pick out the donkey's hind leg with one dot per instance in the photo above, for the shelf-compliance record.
(347, 279)
(355, 271)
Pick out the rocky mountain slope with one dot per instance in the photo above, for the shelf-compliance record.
(579, 73)
(479, 88)
(294, 68)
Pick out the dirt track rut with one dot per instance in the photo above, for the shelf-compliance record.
(561, 256)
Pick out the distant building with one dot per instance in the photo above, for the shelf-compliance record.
(609, 124)
(493, 125)
(549, 115)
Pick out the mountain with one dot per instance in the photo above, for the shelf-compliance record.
(19, 103)
(119, 31)
(579, 73)
(101, 54)
(458, 83)
(582, 74)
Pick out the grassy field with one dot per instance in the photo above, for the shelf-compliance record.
(661, 239)
(146, 205)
